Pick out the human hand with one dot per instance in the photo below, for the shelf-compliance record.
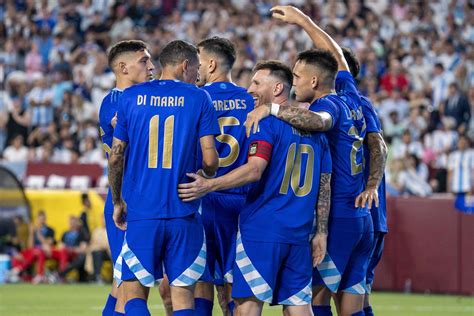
(119, 216)
(192, 191)
(318, 248)
(255, 116)
(367, 197)
(288, 14)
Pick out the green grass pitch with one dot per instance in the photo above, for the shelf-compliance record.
(71, 300)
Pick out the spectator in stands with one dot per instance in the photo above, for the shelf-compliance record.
(22, 232)
(100, 251)
(40, 101)
(16, 151)
(74, 244)
(411, 180)
(461, 168)
(439, 85)
(85, 213)
(406, 147)
(18, 121)
(394, 79)
(392, 127)
(457, 106)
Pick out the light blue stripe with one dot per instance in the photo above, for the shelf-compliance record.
(265, 296)
(186, 280)
(137, 267)
(240, 255)
(202, 254)
(197, 268)
(128, 255)
(256, 282)
(248, 268)
(329, 272)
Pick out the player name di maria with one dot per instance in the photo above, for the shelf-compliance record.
(157, 100)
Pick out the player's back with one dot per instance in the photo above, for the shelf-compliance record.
(107, 111)
(232, 104)
(282, 203)
(161, 121)
(345, 140)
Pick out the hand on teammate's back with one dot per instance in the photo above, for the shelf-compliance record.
(367, 197)
(288, 14)
(191, 191)
(255, 116)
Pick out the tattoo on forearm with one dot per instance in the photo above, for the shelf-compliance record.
(378, 157)
(324, 203)
(116, 170)
(303, 119)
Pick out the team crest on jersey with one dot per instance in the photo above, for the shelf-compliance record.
(253, 149)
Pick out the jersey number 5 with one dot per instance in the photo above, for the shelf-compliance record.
(167, 143)
(229, 140)
(293, 170)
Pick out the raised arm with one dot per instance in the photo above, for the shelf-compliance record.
(116, 161)
(378, 158)
(321, 39)
(250, 172)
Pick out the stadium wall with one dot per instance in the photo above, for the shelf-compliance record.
(429, 248)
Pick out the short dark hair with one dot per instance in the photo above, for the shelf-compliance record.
(129, 46)
(220, 47)
(175, 52)
(323, 60)
(439, 65)
(277, 69)
(352, 61)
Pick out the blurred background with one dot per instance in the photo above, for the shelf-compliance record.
(417, 67)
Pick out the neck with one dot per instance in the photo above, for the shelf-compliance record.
(123, 83)
(282, 100)
(220, 77)
(318, 94)
(170, 74)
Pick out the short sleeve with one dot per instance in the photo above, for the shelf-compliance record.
(121, 129)
(325, 105)
(326, 160)
(208, 124)
(345, 85)
(370, 116)
(261, 143)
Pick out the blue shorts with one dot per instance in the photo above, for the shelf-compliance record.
(275, 273)
(220, 215)
(178, 245)
(114, 234)
(344, 268)
(375, 257)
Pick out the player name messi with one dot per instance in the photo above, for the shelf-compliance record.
(157, 100)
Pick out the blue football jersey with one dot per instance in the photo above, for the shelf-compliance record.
(280, 207)
(379, 214)
(108, 109)
(162, 121)
(345, 139)
(232, 104)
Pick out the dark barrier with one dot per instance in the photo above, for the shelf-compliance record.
(430, 247)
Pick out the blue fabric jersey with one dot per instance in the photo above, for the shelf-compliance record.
(283, 201)
(345, 139)
(379, 214)
(162, 121)
(232, 104)
(108, 109)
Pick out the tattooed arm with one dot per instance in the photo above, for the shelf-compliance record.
(303, 119)
(319, 242)
(116, 161)
(378, 157)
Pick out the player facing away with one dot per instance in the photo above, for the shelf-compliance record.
(290, 169)
(131, 63)
(220, 210)
(350, 228)
(161, 122)
(375, 153)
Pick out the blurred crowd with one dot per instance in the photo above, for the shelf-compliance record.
(417, 66)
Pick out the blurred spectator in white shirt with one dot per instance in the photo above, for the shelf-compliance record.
(461, 168)
(17, 151)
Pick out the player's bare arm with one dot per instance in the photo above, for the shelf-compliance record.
(116, 161)
(378, 158)
(319, 242)
(320, 38)
(250, 172)
(300, 118)
(210, 158)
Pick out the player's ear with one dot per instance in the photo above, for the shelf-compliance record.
(278, 89)
(314, 82)
(185, 65)
(123, 68)
(212, 65)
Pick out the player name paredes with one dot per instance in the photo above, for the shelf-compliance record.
(158, 100)
(226, 105)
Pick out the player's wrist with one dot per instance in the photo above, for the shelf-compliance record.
(208, 176)
(274, 109)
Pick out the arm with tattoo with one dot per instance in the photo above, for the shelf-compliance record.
(324, 203)
(116, 161)
(378, 157)
(304, 119)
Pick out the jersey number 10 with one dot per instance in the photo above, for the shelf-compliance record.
(293, 170)
(167, 143)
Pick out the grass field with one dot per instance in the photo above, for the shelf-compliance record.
(71, 300)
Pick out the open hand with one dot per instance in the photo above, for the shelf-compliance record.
(255, 116)
(192, 191)
(288, 14)
(368, 196)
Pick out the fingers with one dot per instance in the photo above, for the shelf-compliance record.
(190, 199)
(370, 200)
(192, 175)
(185, 185)
(376, 199)
(358, 200)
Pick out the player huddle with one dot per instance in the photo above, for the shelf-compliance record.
(237, 188)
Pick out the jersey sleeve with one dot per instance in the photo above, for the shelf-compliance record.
(208, 124)
(325, 105)
(370, 116)
(326, 160)
(121, 128)
(345, 84)
(261, 143)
